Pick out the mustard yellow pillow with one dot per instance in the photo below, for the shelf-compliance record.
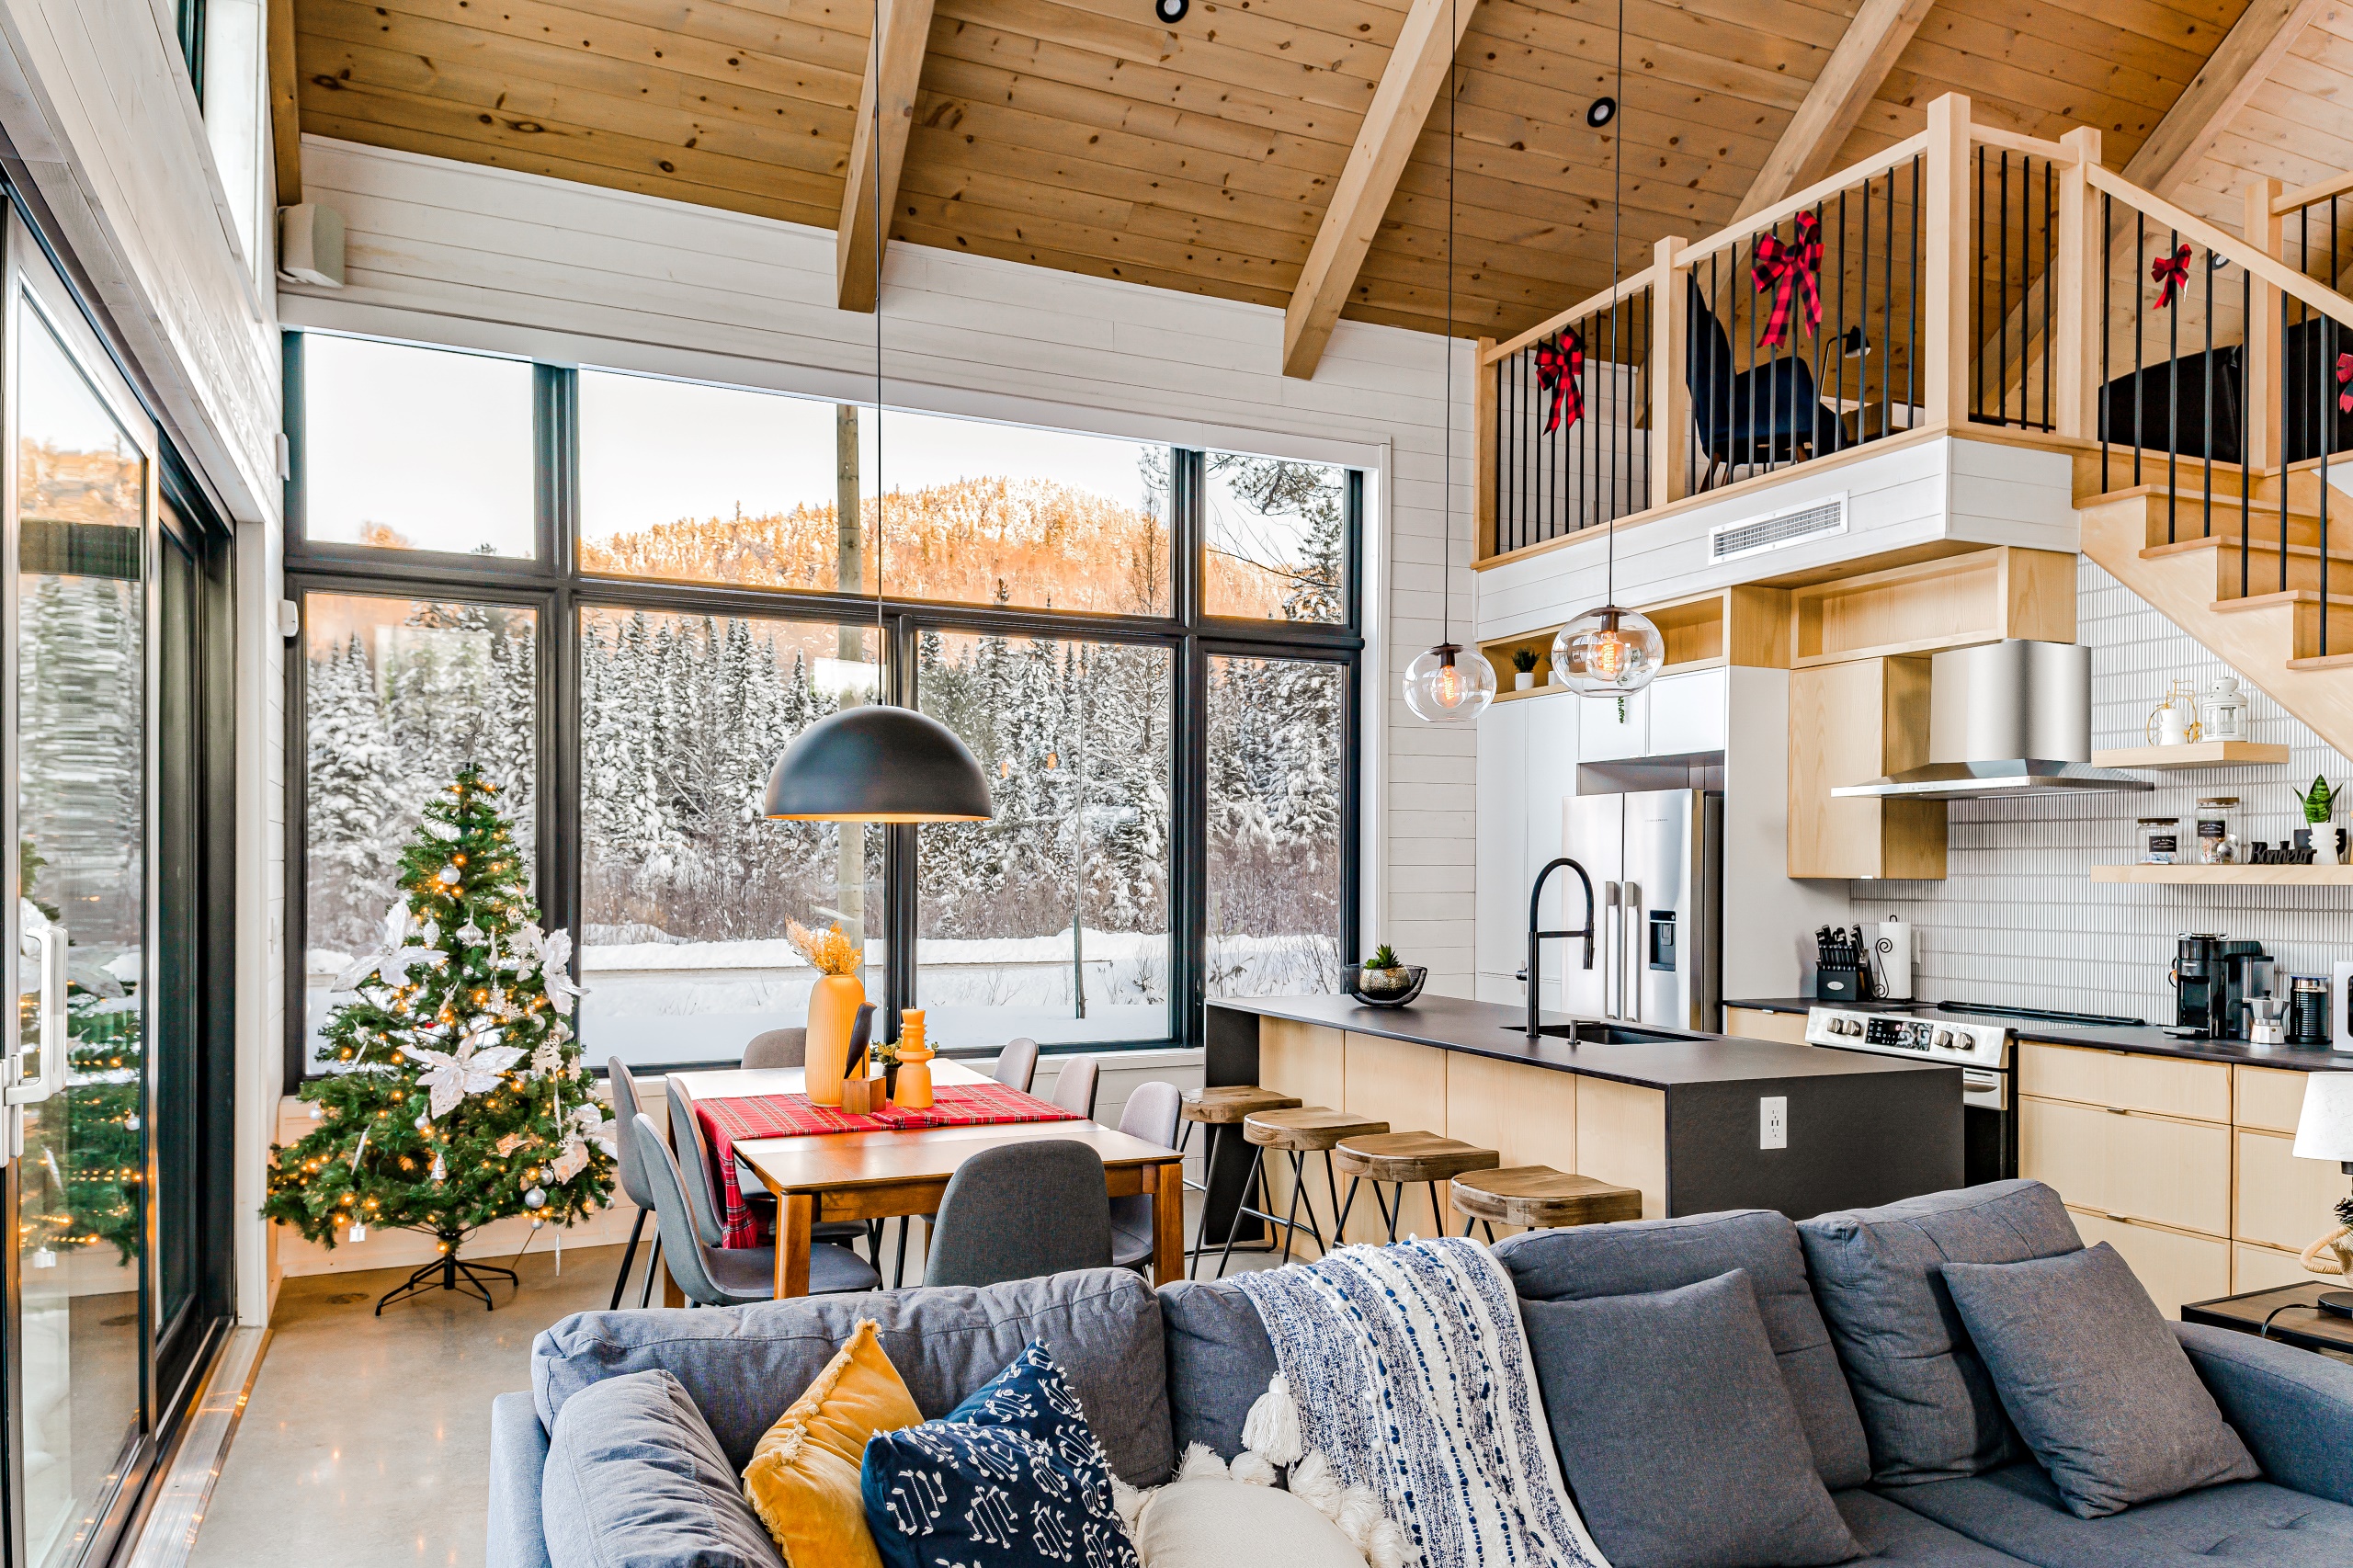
(802, 1480)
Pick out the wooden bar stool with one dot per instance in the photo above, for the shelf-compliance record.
(1221, 1110)
(1299, 1133)
(1400, 1160)
(1540, 1198)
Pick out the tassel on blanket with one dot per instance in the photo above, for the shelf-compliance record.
(1272, 1426)
(1312, 1479)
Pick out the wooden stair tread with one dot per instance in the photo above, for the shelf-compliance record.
(1542, 1197)
(2277, 599)
(2319, 662)
(2257, 545)
(1229, 1103)
(1308, 1128)
(1410, 1157)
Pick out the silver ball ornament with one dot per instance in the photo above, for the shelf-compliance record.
(535, 1198)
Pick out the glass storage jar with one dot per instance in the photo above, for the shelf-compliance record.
(2160, 840)
(2217, 845)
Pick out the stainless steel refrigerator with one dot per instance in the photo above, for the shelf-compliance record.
(1658, 864)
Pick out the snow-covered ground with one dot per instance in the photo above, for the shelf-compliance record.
(655, 1002)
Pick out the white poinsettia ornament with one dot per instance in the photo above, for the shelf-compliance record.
(399, 954)
(452, 1075)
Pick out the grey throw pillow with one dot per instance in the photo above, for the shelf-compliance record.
(1676, 1434)
(635, 1479)
(2097, 1382)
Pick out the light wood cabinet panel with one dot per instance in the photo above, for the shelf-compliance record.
(1309, 1060)
(1851, 723)
(1755, 1023)
(2128, 1165)
(1404, 1084)
(1527, 1115)
(2283, 1201)
(1621, 1138)
(2268, 1098)
(2165, 1085)
(2172, 1266)
(2267, 1268)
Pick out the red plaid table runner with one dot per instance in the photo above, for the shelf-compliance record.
(726, 1121)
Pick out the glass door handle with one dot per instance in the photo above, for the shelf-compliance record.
(48, 1074)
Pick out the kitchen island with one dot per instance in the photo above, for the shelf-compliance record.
(1678, 1115)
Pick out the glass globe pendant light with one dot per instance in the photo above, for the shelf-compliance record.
(1445, 684)
(1611, 651)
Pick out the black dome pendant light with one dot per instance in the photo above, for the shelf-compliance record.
(878, 762)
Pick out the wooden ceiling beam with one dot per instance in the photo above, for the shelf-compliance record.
(1849, 80)
(1409, 84)
(2232, 74)
(894, 75)
(285, 103)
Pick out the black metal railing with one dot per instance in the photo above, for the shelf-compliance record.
(2013, 303)
(2316, 390)
(1572, 427)
(1770, 385)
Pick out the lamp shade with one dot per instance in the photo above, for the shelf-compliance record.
(2326, 1130)
(876, 763)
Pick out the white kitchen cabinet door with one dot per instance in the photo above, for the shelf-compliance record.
(1687, 714)
(1554, 725)
(1501, 901)
(1611, 729)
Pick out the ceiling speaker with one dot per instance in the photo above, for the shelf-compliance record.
(1171, 10)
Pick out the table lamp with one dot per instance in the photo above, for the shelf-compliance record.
(2325, 1131)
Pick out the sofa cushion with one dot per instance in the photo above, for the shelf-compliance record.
(1220, 1361)
(1642, 1255)
(2096, 1382)
(1676, 1433)
(743, 1366)
(1928, 1403)
(804, 1478)
(2018, 1511)
(635, 1479)
(1890, 1533)
(1194, 1524)
(2292, 1409)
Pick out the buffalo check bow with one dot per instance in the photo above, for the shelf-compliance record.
(1783, 268)
(2172, 273)
(2344, 376)
(1559, 369)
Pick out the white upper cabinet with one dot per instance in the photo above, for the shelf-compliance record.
(1611, 729)
(1503, 836)
(1687, 712)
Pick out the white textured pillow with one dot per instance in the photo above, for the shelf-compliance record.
(1200, 1523)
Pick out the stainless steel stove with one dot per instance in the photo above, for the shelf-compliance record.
(1982, 1049)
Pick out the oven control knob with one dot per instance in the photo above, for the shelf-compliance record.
(1944, 1039)
(1846, 1026)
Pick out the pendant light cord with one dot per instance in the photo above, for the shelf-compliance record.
(1617, 221)
(882, 638)
(1446, 529)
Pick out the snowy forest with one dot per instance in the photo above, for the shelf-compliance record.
(683, 715)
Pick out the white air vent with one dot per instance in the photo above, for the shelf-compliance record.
(1727, 541)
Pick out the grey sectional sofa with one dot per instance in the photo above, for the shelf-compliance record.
(1160, 1370)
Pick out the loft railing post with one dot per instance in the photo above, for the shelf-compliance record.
(1485, 451)
(2076, 331)
(1670, 379)
(2262, 370)
(1945, 313)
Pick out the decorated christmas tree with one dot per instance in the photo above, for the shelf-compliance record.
(452, 1094)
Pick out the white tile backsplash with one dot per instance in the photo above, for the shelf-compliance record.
(2018, 919)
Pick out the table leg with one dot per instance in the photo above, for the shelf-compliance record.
(796, 1216)
(1168, 1224)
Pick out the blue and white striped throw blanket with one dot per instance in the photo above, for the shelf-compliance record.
(1411, 1375)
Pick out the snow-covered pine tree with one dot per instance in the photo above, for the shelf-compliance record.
(351, 775)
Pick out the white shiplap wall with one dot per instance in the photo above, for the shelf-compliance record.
(2018, 919)
(456, 254)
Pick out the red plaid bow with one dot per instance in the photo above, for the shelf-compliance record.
(2173, 272)
(1559, 369)
(1784, 267)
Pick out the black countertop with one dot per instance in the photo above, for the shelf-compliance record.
(2146, 1041)
(1492, 1029)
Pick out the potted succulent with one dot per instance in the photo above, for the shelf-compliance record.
(2319, 804)
(1382, 973)
(1523, 664)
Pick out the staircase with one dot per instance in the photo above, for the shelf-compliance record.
(2228, 595)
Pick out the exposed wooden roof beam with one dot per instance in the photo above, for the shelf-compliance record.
(898, 64)
(1865, 53)
(2239, 65)
(1409, 84)
(285, 109)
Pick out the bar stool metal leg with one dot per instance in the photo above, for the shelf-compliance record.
(1437, 1208)
(1234, 1227)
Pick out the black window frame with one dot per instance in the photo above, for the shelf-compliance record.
(552, 583)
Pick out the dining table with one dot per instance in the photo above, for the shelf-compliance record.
(820, 1177)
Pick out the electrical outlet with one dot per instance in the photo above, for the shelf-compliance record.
(1773, 1121)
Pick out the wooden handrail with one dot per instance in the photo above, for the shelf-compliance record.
(2032, 146)
(2267, 269)
(2306, 195)
(1782, 211)
(1626, 288)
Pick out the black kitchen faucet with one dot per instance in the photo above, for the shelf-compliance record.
(1536, 939)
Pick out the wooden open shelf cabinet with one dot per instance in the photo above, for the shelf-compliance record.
(1743, 625)
(1949, 602)
(2230, 876)
(2198, 754)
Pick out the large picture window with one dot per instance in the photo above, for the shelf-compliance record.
(623, 598)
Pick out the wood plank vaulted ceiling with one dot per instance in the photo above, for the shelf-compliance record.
(1084, 135)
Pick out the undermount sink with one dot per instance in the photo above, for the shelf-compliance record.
(1589, 1032)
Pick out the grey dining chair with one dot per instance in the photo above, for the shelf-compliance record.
(1151, 1114)
(1075, 1087)
(629, 1166)
(1019, 1210)
(1016, 1064)
(686, 1136)
(730, 1276)
(778, 1047)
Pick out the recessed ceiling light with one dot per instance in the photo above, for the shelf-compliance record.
(1599, 113)
(1171, 10)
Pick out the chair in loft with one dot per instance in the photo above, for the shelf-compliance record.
(1769, 413)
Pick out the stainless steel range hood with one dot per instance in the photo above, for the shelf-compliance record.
(2006, 719)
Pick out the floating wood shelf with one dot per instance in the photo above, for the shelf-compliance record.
(2230, 876)
(2199, 753)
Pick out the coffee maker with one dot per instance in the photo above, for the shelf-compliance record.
(2246, 974)
(2197, 984)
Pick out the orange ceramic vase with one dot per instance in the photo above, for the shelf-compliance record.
(833, 1014)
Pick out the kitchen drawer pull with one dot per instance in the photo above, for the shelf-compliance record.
(2116, 1110)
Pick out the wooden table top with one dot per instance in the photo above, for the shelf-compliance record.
(2292, 1309)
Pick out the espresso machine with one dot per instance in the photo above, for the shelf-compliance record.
(2197, 984)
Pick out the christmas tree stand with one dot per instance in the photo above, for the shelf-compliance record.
(450, 1272)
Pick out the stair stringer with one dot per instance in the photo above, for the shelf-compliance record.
(2257, 643)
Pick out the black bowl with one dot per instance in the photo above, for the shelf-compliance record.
(1414, 975)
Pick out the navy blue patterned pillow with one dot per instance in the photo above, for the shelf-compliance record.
(1011, 1478)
